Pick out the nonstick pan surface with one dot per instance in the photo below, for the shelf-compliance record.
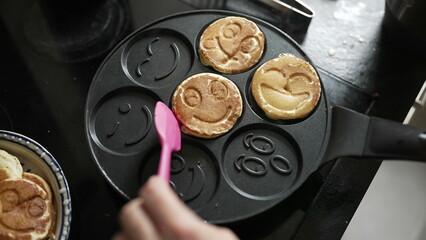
(246, 171)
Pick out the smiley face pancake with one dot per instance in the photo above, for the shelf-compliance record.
(39, 181)
(231, 45)
(286, 87)
(25, 211)
(207, 105)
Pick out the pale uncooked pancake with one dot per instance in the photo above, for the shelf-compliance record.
(207, 105)
(10, 167)
(25, 211)
(286, 87)
(231, 45)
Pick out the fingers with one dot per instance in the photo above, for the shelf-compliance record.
(162, 215)
(167, 211)
(119, 236)
(135, 222)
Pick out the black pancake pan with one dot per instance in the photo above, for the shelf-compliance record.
(244, 172)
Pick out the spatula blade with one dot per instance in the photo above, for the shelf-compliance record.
(170, 138)
(167, 126)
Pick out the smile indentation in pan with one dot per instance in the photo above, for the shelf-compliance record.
(143, 132)
(175, 62)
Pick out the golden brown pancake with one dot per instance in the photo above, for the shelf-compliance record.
(286, 87)
(10, 167)
(207, 105)
(231, 45)
(24, 210)
(46, 187)
(39, 181)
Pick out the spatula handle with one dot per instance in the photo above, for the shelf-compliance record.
(164, 166)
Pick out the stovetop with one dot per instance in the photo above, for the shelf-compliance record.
(47, 66)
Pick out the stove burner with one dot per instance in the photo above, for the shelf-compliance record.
(74, 34)
(5, 122)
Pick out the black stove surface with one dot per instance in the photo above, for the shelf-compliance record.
(51, 52)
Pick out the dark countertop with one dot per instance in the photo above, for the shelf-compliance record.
(45, 81)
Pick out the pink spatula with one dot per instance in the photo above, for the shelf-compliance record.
(169, 135)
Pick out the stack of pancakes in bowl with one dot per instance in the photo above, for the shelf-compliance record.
(25, 202)
(208, 105)
(34, 195)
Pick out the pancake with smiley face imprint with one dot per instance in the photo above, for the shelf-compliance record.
(286, 87)
(207, 105)
(25, 210)
(231, 45)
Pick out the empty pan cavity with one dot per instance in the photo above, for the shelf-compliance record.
(194, 173)
(157, 57)
(122, 121)
(261, 162)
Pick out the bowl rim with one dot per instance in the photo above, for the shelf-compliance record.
(57, 172)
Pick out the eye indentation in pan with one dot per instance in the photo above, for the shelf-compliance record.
(267, 147)
(277, 158)
(259, 169)
(265, 165)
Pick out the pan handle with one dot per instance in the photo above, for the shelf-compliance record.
(358, 135)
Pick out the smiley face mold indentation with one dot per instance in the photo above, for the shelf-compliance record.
(122, 121)
(157, 57)
(266, 164)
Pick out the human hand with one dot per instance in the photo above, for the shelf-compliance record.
(158, 214)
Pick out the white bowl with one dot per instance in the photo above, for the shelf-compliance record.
(36, 159)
